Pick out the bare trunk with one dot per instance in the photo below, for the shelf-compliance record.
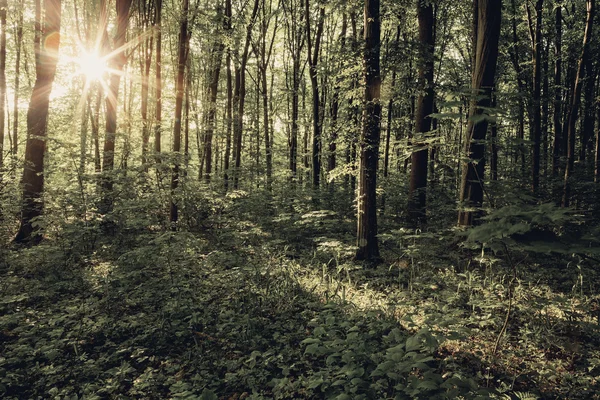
(576, 102)
(37, 121)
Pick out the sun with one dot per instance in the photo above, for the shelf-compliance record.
(92, 66)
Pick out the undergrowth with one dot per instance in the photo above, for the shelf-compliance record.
(269, 304)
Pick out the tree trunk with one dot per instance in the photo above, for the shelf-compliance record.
(19, 43)
(3, 7)
(418, 174)
(486, 55)
(116, 64)
(313, 57)
(368, 248)
(576, 102)
(182, 54)
(145, 64)
(229, 111)
(158, 80)
(536, 129)
(557, 116)
(213, 90)
(240, 98)
(37, 121)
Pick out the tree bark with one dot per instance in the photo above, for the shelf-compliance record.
(158, 80)
(576, 102)
(116, 64)
(3, 9)
(368, 248)
(182, 54)
(19, 43)
(417, 198)
(536, 131)
(37, 121)
(240, 98)
(486, 56)
(313, 57)
(557, 116)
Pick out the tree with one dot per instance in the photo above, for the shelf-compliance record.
(158, 79)
(239, 97)
(575, 102)
(418, 174)
(37, 120)
(18, 46)
(536, 134)
(368, 248)
(182, 54)
(487, 33)
(295, 40)
(557, 116)
(313, 57)
(116, 63)
(3, 8)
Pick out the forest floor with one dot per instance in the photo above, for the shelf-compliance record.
(270, 305)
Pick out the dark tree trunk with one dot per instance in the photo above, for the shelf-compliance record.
(536, 129)
(368, 248)
(229, 110)
(557, 116)
(213, 90)
(158, 80)
(145, 64)
(19, 43)
(589, 113)
(116, 64)
(313, 57)
(240, 98)
(484, 71)
(37, 121)
(576, 102)
(417, 198)
(182, 54)
(3, 7)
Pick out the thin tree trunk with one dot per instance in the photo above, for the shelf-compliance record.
(182, 54)
(37, 120)
(240, 97)
(229, 111)
(576, 102)
(158, 80)
(213, 91)
(116, 63)
(3, 8)
(557, 116)
(536, 133)
(19, 43)
(313, 56)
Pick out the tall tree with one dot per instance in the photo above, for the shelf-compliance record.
(158, 78)
(116, 62)
(3, 9)
(557, 116)
(487, 35)
(419, 159)
(295, 40)
(182, 54)
(215, 60)
(368, 248)
(147, 13)
(239, 97)
(536, 134)
(18, 46)
(313, 58)
(37, 119)
(575, 102)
